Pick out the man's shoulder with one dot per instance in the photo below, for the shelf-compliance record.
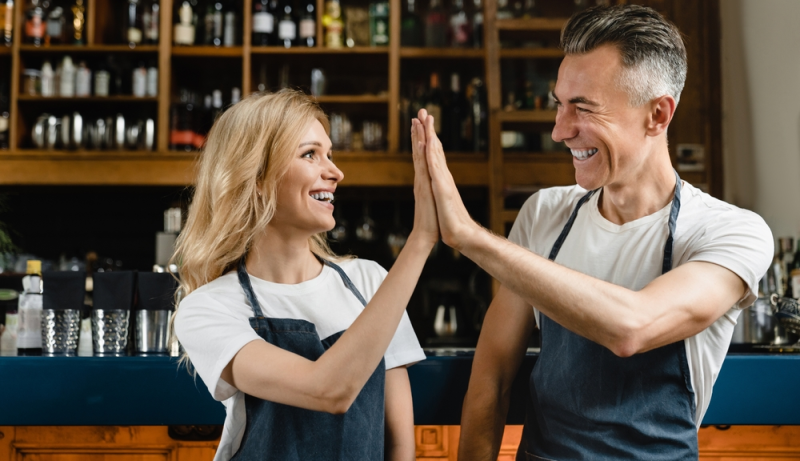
(551, 199)
(703, 209)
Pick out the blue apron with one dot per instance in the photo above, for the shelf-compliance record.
(589, 404)
(275, 431)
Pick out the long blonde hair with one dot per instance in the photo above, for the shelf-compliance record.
(247, 152)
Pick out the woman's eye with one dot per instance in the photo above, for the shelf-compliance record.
(308, 154)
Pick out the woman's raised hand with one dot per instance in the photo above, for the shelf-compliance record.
(426, 224)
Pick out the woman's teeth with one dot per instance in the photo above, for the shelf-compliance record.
(583, 154)
(323, 196)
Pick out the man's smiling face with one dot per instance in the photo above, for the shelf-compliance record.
(595, 119)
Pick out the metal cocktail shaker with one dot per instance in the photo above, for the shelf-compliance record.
(113, 298)
(156, 304)
(61, 312)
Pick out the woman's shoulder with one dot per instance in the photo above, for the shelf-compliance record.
(221, 288)
(366, 275)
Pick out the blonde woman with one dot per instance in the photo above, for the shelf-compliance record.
(308, 351)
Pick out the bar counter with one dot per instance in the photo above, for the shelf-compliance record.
(752, 389)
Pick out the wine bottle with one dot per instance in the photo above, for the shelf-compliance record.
(478, 116)
(184, 30)
(379, 24)
(457, 111)
(435, 25)
(150, 21)
(263, 23)
(308, 25)
(7, 21)
(133, 28)
(182, 123)
(229, 32)
(78, 22)
(213, 24)
(459, 32)
(287, 27)
(411, 26)
(477, 24)
(433, 103)
(35, 23)
(55, 27)
(334, 26)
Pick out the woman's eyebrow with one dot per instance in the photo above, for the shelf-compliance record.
(309, 143)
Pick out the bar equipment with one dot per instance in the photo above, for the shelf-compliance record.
(156, 302)
(787, 312)
(61, 312)
(113, 299)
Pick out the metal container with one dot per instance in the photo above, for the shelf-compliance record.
(110, 332)
(756, 324)
(152, 332)
(60, 332)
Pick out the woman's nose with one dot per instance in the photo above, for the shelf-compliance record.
(334, 173)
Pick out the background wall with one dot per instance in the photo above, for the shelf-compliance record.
(761, 109)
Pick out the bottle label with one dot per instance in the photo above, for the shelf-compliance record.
(34, 27)
(54, 28)
(83, 82)
(152, 82)
(436, 111)
(287, 30)
(184, 35)
(139, 82)
(29, 333)
(101, 81)
(134, 35)
(150, 21)
(263, 23)
(181, 137)
(308, 28)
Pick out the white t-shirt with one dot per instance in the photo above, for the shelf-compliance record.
(212, 325)
(631, 255)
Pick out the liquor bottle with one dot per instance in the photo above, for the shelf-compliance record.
(133, 26)
(55, 27)
(504, 10)
(433, 103)
(202, 122)
(214, 24)
(151, 21)
(334, 25)
(531, 10)
(287, 27)
(139, 85)
(477, 24)
(459, 32)
(83, 80)
(457, 110)
(262, 77)
(78, 22)
(263, 23)
(7, 21)
(35, 23)
(48, 82)
(182, 123)
(152, 79)
(230, 31)
(436, 26)
(379, 24)
(29, 333)
(66, 85)
(411, 26)
(184, 30)
(308, 25)
(102, 81)
(236, 95)
(4, 117)
(478, 114)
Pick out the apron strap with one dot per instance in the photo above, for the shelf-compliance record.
(347, 282)
(244, 281)
(568, 226)
(673, 220)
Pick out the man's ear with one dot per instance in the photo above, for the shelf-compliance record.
(661, 111)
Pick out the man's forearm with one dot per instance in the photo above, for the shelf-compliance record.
(482, 423)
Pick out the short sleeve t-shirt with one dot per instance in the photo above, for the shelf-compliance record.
(212, 324)
(630, 255)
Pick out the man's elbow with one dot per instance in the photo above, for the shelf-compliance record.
(626, 340)
(337, 400)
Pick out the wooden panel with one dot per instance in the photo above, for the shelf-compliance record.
(393, 117)
(531, 24)
(164, 74)
(432, 441)
(532, 53)
(532, 116)
(538, 174)
(206, 51)
(72, 49)
(442, 53)
(319, 50)
(749, 443)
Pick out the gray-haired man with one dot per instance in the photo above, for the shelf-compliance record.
(634, 277)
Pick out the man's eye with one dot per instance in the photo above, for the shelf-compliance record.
(581, 109)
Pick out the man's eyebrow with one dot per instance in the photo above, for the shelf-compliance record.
(582, 100)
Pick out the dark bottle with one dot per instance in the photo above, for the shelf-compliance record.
(531, 10)
(214, 24)
(182, 123)
(436, 26)
(459, 34)
(287, 27)
(230, 19)
(411, 26)
(308, 25)
(151, 21)
(35, 22)
(433, 103)
(55, 27)
(263, 23)
(478, 115)
(457, 110)
(133, 29)
(4, 116)
(477, 24)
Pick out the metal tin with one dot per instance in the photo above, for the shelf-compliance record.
(110, 332)
(152, 332)
(60, 332)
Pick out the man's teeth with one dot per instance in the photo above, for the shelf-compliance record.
(583, 154)
(323, 196)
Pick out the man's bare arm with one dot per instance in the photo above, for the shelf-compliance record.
(501, 347)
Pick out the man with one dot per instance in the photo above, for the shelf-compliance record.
(634, 277)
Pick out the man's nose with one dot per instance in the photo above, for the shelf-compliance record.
(565, 128)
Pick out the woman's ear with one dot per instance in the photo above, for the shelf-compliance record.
(661, 111)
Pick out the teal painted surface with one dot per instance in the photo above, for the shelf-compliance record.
(751, 389)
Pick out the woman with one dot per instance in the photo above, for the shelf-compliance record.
(303, 347)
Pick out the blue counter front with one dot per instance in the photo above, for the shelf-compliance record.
(751, 389)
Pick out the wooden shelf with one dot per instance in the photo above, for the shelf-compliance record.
(319, 50)
(442, 53)
(352, 99)
(531, 53)
(87, 99)
(509, 216)
(538, 157)
(208, 51)
(5, 50)
(533, 24)
(532, 116)
(41, 167)
(88, 49)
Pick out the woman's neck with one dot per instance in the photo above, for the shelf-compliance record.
(281, 258)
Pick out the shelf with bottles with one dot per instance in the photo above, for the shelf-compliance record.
(359, 50)
(441, 53)
(87, 49)
(96, 155)
(532, 53)
(532, 23)
(458, 24)
(205, 51)
(193, 114)
(208, 23)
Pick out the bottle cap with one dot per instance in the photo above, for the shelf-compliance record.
(34, 267)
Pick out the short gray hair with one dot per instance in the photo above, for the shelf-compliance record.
(652, 50)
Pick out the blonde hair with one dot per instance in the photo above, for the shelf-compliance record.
(247, 152)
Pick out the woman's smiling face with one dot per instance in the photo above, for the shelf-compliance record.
(306, 190)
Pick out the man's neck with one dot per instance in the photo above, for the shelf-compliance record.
(647, 192)
(278, 257)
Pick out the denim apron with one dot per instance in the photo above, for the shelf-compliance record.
(589, 404)
(275, 431)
